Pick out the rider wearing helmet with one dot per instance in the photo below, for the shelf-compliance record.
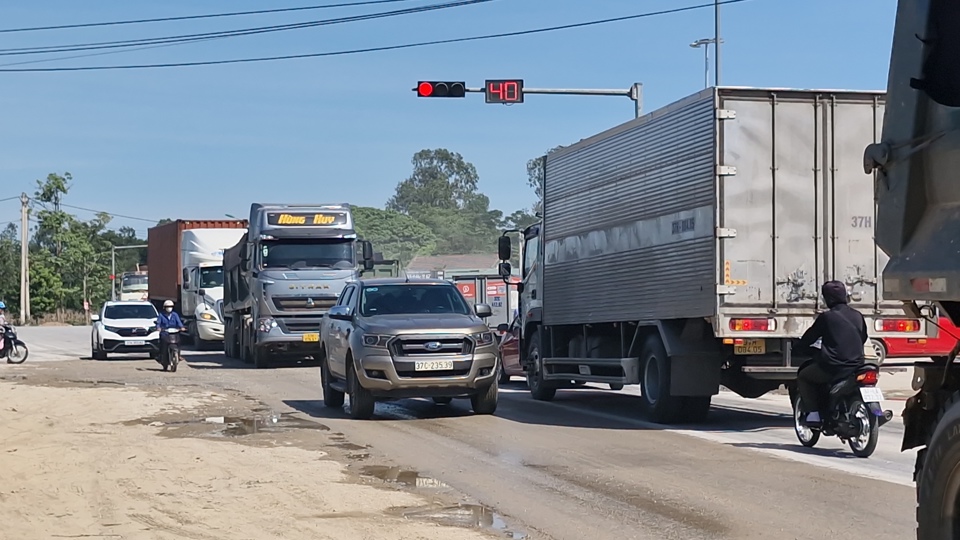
(3, 315)
(168, 319)
(843, 332)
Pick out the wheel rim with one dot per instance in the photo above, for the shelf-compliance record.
(804, 433)
(862, 416)
(878, 350)
(534, 374)
(651, 381)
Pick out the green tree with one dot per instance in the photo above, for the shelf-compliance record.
(535, 172)
(395, 235)
(442, 193)
(10, 268)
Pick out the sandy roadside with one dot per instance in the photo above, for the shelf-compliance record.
(79, 461)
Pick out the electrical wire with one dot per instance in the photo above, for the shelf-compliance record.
(9, 199)
(188, 38)
(376, 49)
(111, 214)
(194, 17)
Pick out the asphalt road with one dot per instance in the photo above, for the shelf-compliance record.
(587, 466)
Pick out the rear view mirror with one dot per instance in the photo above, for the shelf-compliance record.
(367, 249)
(186, 276)
(367, 264)
(503, 327)
(483, 310)
(504, 249)
(94, 318)
(343, 313)
(504, 269)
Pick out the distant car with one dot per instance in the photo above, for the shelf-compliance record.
(394, 338)
(937, 347)
(125, 327)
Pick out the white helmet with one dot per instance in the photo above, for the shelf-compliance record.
(168, 303)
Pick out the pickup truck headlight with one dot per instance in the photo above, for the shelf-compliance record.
(483, 339)
(376, 340)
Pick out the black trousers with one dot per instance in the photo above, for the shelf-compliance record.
(811, 380)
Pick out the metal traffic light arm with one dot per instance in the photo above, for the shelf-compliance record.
(635, 93)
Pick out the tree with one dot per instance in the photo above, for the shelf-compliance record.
(396, 235)
(535, 172)
(10, 267)
(442, 193)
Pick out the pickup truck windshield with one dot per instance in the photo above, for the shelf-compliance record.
(314, 253)
(211, 277)
(410, 299)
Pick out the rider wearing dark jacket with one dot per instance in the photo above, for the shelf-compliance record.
(843, 332)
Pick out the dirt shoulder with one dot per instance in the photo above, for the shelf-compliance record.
(82, 459)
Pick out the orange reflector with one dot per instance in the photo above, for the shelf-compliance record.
(727, 341)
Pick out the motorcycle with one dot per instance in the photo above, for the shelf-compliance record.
(14, 350)
(854, 412)
(170, 359)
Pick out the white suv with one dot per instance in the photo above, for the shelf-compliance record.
(125, 327)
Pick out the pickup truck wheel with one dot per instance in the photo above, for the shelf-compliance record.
(540, 389)
(485, 401)
(658, 404)
(938, 478)
(331, 397)
(362, 403)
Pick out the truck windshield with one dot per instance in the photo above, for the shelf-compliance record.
(133, 283)
(308, 254)
(404, 299)
(211, 277)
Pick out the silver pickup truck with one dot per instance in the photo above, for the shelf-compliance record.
(394, 338)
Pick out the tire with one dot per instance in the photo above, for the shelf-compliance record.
(485, 401)
(174, 360)
(260, 358)
(864, 446)
(807, 437)
(22, 355)
(880, 350)
(503, 378)
(937, 475)
(540, 389)
(442, 400)
(362, 403)
(97, 354)
(658, 404)
(331, 397)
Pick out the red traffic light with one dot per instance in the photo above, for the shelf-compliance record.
(454, 89)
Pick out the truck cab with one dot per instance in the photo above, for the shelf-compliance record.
(133, 286)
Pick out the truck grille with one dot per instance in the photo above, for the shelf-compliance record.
(299, 326)
(418, 346)
(304, 303)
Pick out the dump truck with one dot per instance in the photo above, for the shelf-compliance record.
(724, 213)
(917, 187)
(284, 275)
(185, 258)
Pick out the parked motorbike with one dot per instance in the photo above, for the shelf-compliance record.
(854, 412)
(14, 350)
(170, 358)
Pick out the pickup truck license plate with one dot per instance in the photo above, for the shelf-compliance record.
(751, 346)
(433, 365)
(312, 337)
(871, 394)
(135, 343)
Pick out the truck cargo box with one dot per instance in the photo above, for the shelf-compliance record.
(730, 202)
(163, 254)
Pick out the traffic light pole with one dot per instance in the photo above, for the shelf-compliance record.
(510, 91)
(635, 93)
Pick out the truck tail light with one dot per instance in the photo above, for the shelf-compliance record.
(753, 325)
(897, 325)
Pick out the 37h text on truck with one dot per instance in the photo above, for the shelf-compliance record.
(284, 275)
(704, 231)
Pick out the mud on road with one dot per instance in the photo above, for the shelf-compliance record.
(123, 453)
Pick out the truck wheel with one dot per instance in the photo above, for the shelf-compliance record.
(540, 389)
(485, 401)
(938, 477)
(362, 403)
(260, 357)
(659, 406)
(331, 397)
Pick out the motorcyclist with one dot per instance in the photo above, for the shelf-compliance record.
(3, 314)
(843, 333)
(167, 319)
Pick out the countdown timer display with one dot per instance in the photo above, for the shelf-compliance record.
(503, 90)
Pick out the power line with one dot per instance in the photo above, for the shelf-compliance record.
(111, 214)
(376, 49)
(188, 38)
(194, 17)
(9, 198)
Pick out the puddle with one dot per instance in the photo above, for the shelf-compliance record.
(237, 426)
(470, 516)
(403, 477)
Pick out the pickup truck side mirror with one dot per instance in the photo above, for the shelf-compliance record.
(342, 313)
(503, 327)
(483, 310)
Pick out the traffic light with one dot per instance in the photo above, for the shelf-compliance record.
(456, 89)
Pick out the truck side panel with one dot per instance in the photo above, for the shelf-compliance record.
(163, 260)
(638, 198)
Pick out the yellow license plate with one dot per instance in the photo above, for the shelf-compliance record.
(312, 337)
(751, 346)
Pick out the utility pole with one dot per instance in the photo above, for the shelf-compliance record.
(716, 42)
(24, 259)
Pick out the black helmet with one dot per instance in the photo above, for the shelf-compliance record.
(834, 293)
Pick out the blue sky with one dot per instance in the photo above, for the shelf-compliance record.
(201, 142)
